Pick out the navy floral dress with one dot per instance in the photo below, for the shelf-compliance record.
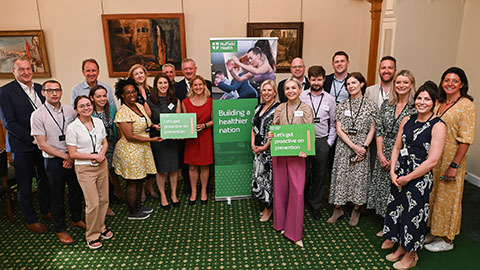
(408, 207)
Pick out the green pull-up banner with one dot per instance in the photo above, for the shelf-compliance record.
(232, 127)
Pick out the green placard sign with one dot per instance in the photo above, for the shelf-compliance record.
(290, 140)
(219, 46)
(178, 125)
(232, 131)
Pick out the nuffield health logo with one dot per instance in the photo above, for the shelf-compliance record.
(223, 46)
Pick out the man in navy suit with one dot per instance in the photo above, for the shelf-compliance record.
(18, 99)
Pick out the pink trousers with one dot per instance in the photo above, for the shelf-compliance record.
(288, 205)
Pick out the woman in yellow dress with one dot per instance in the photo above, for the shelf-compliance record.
(456, 109)
(133, 158)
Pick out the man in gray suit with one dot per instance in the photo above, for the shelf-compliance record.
(381, 91)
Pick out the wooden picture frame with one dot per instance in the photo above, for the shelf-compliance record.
(29, 44)
(290, 40)
(148, 39)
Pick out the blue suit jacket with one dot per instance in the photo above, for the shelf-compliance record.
(15, 112)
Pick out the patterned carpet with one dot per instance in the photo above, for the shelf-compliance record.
(215, 236)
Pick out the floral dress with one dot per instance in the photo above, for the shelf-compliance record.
(262, 184)
(386, 127)
(446, 198)
(133, 160)
(350, 179)
(408, 207)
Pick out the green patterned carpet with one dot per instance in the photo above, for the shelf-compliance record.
(215, 236)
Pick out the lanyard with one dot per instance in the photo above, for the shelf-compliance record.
(396, 118)
(319, 104)
(55, 120)
(335, 89)
(438, 110)
(33, 102)
(93, 138)
(141, 116)
(288, 121)
(351, 111)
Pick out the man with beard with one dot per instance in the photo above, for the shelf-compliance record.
(381, 91)
(323, 106)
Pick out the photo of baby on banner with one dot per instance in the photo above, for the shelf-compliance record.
(240, 65)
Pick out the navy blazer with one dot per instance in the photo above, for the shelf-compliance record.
(181, 89)
(15, 112)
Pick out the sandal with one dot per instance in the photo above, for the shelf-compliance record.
(107, 234)
(93, 244)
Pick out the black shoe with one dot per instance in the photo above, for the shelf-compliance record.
(176, 204)
(317, 214)
(204, 202)
(165, 207)
(191, 202)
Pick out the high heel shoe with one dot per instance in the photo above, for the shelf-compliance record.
(203, 202)
(337, 215)
(175, 204)
(400, 266)
(266, 217)
(387, 244)
(354, 218)
(393, 258)
(165, 207)
(191, 202)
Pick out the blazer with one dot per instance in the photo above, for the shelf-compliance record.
(281, 88)
(15, 112)
(181, 89)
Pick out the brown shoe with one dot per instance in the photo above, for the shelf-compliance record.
(47, 216)
(79, 224)
(37, 227)
(64, 238)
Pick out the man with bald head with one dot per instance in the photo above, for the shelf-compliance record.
(297, 68)
(18, 100)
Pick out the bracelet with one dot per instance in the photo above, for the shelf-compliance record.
(205, 125)
(455, 165)
(365, 146)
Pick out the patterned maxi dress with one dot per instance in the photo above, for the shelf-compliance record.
(386, 127)
(408, 207)
(262, 184)
(446, 197)
(349, 180)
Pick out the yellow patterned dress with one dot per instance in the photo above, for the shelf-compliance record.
(446, 196)
(133, 160)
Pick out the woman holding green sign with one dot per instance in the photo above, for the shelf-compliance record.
(355, 118)
(262, 184)
(165, 153)
(289, 171)
(199, 151)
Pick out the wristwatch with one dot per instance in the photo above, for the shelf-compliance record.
(365, 146)
(455, 165)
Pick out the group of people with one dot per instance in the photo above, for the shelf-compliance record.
(388, 147)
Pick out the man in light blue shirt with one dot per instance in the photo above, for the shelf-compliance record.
(90, 70)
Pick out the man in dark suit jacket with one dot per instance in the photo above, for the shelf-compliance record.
(189, 69)
(18, 99)
(297, 68)
(340, 64)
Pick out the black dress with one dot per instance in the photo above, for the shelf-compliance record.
(165, 153)
(408, 207)
(262, 179)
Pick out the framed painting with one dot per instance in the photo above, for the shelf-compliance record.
(148, 39)
(290, 40)
(29, 44)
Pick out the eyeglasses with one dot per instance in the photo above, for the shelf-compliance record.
(130, 93)
(53, 90)
(88, 105)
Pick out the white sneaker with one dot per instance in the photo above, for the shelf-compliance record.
(439, 245)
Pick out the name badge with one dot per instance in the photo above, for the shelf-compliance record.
(298, 114)
(316, 120)
(255, 129)
(348, 113)
(170, 106)
(325, 107)
(143, 119)
(352, 131)
(61, 138)
(404, 152)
